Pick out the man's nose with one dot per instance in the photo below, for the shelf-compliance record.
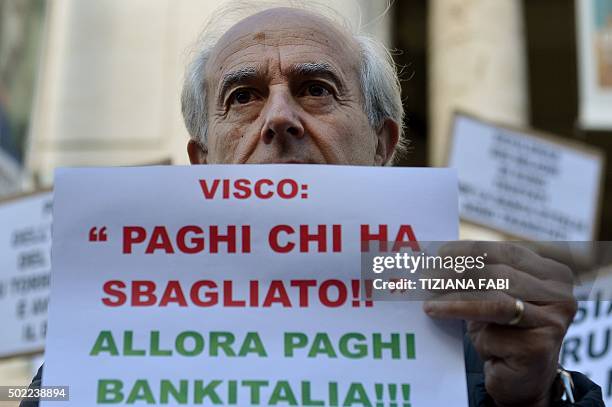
(281, 118)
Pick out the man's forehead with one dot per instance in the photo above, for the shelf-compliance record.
(296, 32)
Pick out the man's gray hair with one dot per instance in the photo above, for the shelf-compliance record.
(378, 76)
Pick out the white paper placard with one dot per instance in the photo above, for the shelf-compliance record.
(523, 185)
(269, 317)
(25, 244)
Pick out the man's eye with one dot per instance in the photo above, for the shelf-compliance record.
(317, 90)
(241, 96)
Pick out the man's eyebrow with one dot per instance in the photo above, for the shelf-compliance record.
(234, 77)
(317, 69)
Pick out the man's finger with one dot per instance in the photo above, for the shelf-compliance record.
(513, 255)
(527, 287)
(494, 341)
(519, 284)
(498, 308)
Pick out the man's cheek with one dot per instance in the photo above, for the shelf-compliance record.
(357, 141)
(222, 144)
(240, 144)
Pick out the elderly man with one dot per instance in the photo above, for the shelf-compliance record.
(286, 85)
(290, 86)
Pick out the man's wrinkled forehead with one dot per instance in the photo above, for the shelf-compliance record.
(292, 33)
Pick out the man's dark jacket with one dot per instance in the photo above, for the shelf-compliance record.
(586, 393)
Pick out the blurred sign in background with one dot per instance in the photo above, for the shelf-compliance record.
(25, 261)
(588, 343)
(525, 184)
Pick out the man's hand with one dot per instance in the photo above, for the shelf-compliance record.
(520, 361)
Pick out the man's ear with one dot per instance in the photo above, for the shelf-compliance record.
(387, 139)
(197, 152)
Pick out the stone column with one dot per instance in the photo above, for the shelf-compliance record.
(477, 63)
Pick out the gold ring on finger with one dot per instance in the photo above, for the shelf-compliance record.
(518, 313)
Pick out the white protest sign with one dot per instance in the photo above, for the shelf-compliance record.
(525, 185)
(240, 285)
(587, 347)
(25, 244)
